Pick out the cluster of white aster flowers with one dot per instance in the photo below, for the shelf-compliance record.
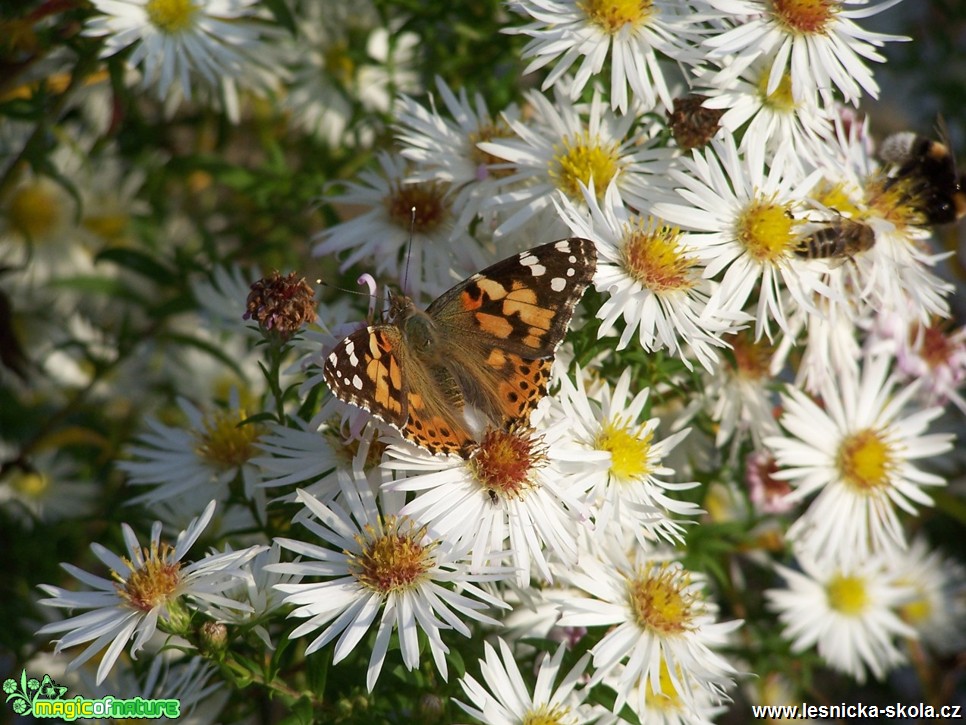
(740, 431)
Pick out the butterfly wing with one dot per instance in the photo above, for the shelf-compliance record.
(373, 370)
(365, 369)
(507, 321)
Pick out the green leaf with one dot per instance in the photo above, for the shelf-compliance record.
(282, 14)
(317, 670)
(212, 348)
(139, 263)
(300, 714)
(94, 285)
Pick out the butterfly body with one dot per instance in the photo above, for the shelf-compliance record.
(479, 354)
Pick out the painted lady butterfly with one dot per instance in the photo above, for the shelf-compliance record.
(488, 343)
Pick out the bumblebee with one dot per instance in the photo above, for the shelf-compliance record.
(926, 170)
(840, 239)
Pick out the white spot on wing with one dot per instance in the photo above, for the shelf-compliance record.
(531, 261)
(356, 382)
(558, 284)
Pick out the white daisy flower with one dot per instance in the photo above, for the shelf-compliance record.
(168, 676)
(629, 35)
(742, 211)
(380, 237)
(378, 568)
(653, 280)
(257, 590)
(221, 296)
(394, 53)
(661, 624)
(830, 348)
(779, 118)
(51, 226)
(819, 45)
(567, 146)
(345, 57)
(506, 699)
(509, 487)
(738, 395)
(848, 613)
(447, 149)
(630, 493)
(45, 489)
(208, 454)
(856, 451)
(305, 454)
(146, 591)
(179, 42)
(937, 608)
(665, 706)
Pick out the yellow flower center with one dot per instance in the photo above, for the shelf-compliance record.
(835, 196)
(766, 230)
(152, 581)
(659, 599)
(628, 449)
(847, 594)
(224, 442)
(807, 17)
(547, 715)
(897, 200)
(781, 98)
(427, 198)
(612, 15)
(30, 484)
(37, 209)
(667, 700)
(171, 16)
(653, 255)
(865, 460)
(918, 610)
(578, 160)
(338, 62)
(109, 227)
(394, 560)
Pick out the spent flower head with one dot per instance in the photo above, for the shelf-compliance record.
(281, 305)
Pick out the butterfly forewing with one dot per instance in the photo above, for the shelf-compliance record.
(365, 370)
(522, 304)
